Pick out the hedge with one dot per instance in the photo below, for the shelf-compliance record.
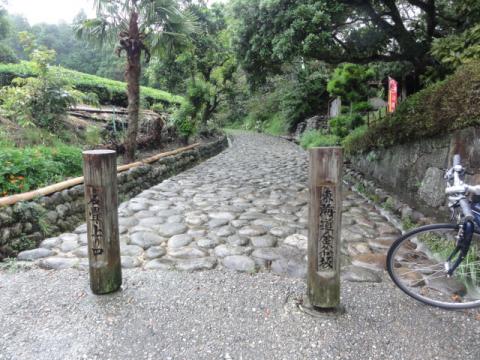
(439, 109)
(109, 92)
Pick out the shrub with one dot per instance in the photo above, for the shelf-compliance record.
(26, 169)
(362, 107)
(316, 138)
(438, 109)
(342, 125)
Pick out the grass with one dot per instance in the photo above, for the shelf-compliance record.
(108, 91)
(316, 138)
(275, 125)
(441, 247)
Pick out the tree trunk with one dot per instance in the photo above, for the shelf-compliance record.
(132, 77)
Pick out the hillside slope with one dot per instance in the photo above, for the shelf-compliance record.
(109, 92)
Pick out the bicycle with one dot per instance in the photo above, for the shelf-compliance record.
(439, 264)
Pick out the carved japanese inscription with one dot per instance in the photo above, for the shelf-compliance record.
(326, 228)
(96, 219)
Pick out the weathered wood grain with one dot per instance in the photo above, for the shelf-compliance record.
(325, 215)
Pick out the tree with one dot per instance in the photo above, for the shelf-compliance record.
(140, 27)
(350, 81)
(208, 62)
(6, 53)
(270, 33)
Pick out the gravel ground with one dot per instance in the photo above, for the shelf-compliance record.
(219, 314)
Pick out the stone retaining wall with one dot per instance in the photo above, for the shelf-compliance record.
(414, 171)
(25, 224)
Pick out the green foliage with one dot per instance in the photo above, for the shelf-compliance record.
(26, 169)
(362, 107)
(317, 138)
(41, 100)
(350, 82)
(108, 91)
(7, 55)
(189, 115)
(438, 109)
(456, 49)
(276, 125)
(342, 125)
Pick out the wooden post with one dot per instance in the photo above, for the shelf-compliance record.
(324, 226)
(100, 172)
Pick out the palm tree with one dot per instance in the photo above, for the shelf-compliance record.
(139, 26)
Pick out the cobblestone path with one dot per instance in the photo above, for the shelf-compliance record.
(245, 209)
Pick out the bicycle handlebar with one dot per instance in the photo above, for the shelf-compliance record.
(459, 189)
(456, 160)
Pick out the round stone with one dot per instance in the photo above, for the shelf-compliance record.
(127, 221)
(69, 245)
(175, 219)
(263, 241)
(178, 241)
(207, 243)
(252, 231)
(239, 223)
(268, 254)
(151, 221)
(186, 253)
(81, 252)
(160, 264)
(146, 239)
(297, 240)
(222, 215)
(81, 229)
(224, 231)
(296, 269)
(57, 263)
(131, 250)
(50, 243)
(144, 214)
(130, 262)
(83, 239)
(69, 237)
(154, 252)
(196, 220)
(31, 255)
(239, 263)
(281, 231)
(267, 223)
(171, 229)
(370, 261)
(237, 240)
(206, 263)
(228, 250)
(354, 273)
(215, 223)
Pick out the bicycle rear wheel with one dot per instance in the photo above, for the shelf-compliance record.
(416, 264)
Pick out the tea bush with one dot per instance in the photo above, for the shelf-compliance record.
(108, 91)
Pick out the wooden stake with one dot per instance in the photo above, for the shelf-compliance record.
(325, 215)
(100, 172)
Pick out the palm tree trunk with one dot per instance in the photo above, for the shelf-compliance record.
(132, 77)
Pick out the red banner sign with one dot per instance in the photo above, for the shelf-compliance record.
(392, 95)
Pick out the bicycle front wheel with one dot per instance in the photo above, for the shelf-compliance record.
(417, 262)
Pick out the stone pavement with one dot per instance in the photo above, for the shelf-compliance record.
(242, 217)
(245, 209)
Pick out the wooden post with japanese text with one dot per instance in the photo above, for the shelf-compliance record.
(100, 172)
(324, 226)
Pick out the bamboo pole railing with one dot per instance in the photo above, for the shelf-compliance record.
(13, 199)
